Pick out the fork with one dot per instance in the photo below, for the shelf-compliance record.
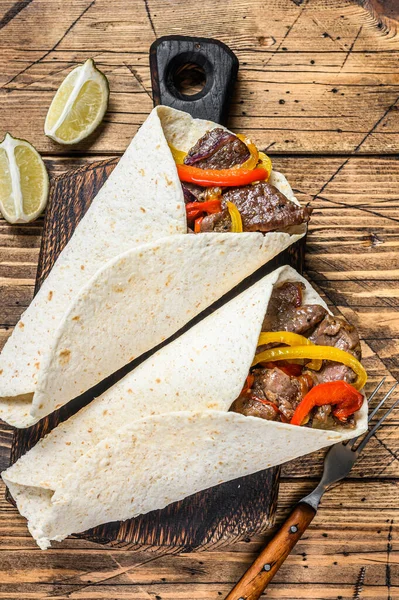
(337, 465)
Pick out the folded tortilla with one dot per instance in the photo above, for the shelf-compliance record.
(129, 277)
(164, 431)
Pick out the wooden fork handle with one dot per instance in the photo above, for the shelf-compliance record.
(262, 571)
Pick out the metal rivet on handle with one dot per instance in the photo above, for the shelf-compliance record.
(267, 567)
(293, 529)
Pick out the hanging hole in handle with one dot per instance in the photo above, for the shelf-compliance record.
(189, 75)
(189, 79)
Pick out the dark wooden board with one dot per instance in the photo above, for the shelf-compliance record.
(234, 509)
(219, 515)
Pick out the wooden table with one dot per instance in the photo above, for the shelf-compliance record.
(319, 89)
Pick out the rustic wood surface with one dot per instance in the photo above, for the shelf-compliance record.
(318, 87)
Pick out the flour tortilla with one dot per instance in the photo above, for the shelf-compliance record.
(93, 278)
(163, 432)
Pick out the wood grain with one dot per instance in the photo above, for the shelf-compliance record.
(307, 48)
(347, 533)
(315, 76)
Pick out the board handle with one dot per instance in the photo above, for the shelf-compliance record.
(169, 54)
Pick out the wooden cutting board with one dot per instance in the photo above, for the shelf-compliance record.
(219, 515)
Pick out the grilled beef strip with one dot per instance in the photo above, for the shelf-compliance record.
(217, 223)
(195, 193)
(287, 313)
(280, 388)
(273, 385)
(192, 192)
(322, 413)
(217, 149)
(251, 407)
(262, 207)
(336, 331)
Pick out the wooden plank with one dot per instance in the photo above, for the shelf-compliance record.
(211, 591)
(96, 25)
(286, 111)
(350, 532)
(5, 332)
(319, 78)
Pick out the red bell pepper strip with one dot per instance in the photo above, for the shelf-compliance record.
(196, 209)
(197, 225)
(220, 177)
(346, 408)
(340, 393)
(248, 384)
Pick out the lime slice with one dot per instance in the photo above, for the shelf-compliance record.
(23, 181)
(78, 106)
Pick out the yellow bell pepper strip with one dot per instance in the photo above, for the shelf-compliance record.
(236, 221)
(253, 159)
(290, 339)
(212, 193)
(340, 393)
(318, 352)
(220, 177)
(265, 162)
(178, 155)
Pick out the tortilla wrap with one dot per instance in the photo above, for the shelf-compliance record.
(164, 431)
(141, 202)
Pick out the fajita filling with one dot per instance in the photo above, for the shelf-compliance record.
(225, 185)
(306, 370)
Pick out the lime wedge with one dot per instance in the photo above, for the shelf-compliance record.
(23, 181)
(79, 105)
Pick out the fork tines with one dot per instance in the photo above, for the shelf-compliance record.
(376, 409)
